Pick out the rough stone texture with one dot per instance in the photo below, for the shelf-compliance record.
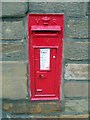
(77, 116)
(14, 9)
(76, 89)
(12, 30)
(25, 20)
(77, 71)
(77, 27)
(89, 104)
(72, 106)
(88, 9)
(76, 50)
(76, 8)
(14, 81)
(31, 107)
(0, 29)
(12, 51)
(76, 105)
(70, 8)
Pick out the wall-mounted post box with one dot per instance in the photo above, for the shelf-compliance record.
(45, 43)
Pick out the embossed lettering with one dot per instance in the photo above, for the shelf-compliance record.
(37, 21)
(55, 21)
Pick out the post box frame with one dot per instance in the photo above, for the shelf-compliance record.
(31, 58)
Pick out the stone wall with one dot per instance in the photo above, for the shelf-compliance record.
(15, 91)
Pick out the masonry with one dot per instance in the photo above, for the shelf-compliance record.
(14, 60)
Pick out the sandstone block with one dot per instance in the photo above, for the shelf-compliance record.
(14, 80)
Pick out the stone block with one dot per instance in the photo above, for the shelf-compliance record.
(1, 28)
(28, 107)
(14, 9)
(12, 51)
(76, 50)
(88, 9)
(46, 7)
(76, 9)
(76, 106)
(77, 71)
(14, 80)
(73, 9)
(77, 27)
(76, 89)
(12, 30)
(47, 108)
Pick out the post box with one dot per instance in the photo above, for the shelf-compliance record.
(45, 45)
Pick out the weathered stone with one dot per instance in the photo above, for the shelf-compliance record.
(12, 51)
(76, 8)
(14, 9)
(76, 50)
(77, 28)
(25, 20)
(71, 106)
(77, 71)
(36, 109)
(31, 107)
(77, 106)
(51, 107)
(0, 28)
(12, 30)
(45, 7)
(8, 107)
(14, 81)
(69, 8)
(56, 116)
(76, 89)
(45, 107)
(88, 9)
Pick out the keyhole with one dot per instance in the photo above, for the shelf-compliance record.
(40, 76)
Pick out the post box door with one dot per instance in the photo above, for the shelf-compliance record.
(45, 72)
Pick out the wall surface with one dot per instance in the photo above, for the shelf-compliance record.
(14, 60)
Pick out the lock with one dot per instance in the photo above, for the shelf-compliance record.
(45, 47)
(40, 76)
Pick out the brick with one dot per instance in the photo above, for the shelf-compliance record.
(76, 50)
(76, 89)
(77, 71)
(12, 51)
(14, 9)
(12, 30)
(73, 9)
(77, 27)
(14, 80)
(76, 106)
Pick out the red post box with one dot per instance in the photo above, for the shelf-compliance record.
(45, 44)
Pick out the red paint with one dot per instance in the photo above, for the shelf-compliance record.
(45, 31)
